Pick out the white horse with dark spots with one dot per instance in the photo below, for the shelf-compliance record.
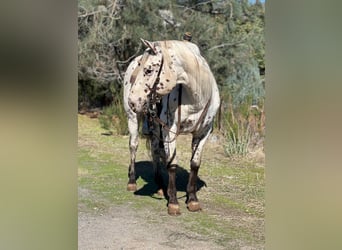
(173, 88)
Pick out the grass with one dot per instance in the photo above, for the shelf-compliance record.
(243, 128)
(232, 198)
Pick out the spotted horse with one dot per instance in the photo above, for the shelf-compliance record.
(172, 85)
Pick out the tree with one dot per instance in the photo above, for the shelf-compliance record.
(232, 41)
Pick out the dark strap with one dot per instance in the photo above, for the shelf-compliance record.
(179, 108)
(164, 125)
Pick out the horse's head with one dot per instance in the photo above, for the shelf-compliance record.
(150, 78)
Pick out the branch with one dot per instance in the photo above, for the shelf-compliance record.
(90, 13)
(231, 10)
(224, 45)
(229, 44)
(135, 54)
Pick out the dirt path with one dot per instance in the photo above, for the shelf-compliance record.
(122, 228)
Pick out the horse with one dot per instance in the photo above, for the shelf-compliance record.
(172, 86)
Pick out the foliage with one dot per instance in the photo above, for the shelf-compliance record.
(232, 40)
(98, 69)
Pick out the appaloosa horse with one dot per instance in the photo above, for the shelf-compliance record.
(172, 85)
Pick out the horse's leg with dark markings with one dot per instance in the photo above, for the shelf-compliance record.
(198, 142)
(171, 163)
(173, 206)
(156, 150)
(133, 146)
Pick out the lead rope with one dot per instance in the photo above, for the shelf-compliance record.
(164, 125)
(153, 108)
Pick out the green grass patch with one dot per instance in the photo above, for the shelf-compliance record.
(104, 178)
(214, 227)
(227, 203)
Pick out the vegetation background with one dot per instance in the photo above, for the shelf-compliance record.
(229, 33)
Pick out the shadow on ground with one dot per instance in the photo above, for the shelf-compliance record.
(144, 170)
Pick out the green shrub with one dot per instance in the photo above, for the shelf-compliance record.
(238, 141)
(114, 118)
(243, 127)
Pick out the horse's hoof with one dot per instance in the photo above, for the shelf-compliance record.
(131, 187)
(173, 209)
(194, 206)
(160, 192)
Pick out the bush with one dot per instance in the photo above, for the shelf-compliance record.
(243, 127)
(114, 118)
(238, 141)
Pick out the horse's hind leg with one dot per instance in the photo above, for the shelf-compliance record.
(133, 146)
(198, 142)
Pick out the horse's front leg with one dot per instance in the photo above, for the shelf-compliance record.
(133, 146)
(198, 142)
(158, 157)
(171, 164)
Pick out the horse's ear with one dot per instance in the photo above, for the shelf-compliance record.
(149, 45)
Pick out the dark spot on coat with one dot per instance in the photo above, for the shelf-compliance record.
(161, 84)
(145, 90)
(167, 80)
(132, 80)
(138, 64)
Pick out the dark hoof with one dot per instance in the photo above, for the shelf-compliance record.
(160, 192)
(173, 209)
(194, 206)
(131, 187)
